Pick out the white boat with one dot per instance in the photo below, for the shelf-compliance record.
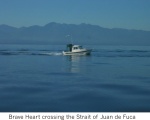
(76, 50)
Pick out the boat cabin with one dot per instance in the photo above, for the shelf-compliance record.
(71, 47)
(76, 47)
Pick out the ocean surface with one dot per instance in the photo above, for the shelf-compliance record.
(38, 78)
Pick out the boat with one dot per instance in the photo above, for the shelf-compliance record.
(76, 50)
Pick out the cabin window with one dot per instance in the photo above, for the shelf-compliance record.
(75, 48)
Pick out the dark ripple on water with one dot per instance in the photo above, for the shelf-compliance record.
(126, 89)
(100, 53)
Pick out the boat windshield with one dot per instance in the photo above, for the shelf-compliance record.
(80, 47)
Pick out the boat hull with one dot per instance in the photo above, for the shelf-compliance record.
(87, 52)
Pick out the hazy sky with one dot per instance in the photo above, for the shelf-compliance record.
(131, 14)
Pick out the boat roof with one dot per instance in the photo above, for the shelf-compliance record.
(76, 45)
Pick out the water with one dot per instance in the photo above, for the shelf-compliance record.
(37, 78)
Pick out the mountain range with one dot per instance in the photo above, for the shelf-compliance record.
(56, 33)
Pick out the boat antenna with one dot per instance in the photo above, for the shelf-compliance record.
(69, 36)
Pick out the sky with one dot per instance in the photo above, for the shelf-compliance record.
(129, 14)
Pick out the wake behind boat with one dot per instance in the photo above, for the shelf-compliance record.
(76, 50)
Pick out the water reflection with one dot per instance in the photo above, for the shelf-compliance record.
(74, 66)
(77, 64)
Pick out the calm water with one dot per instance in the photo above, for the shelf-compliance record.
(39, 78)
